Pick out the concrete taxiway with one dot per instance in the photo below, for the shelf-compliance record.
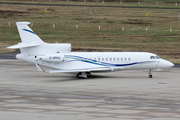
(28, 94)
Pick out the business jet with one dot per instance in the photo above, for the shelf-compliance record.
(60, 59)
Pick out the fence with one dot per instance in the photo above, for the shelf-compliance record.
(137, 2)
(98, 27)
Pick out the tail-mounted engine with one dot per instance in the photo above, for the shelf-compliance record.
(52, 58)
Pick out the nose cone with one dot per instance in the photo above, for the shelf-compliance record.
(171, 64)
(167, 64)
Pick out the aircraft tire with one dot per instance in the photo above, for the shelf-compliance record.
(88, 73)
(150, 76)
(78, 74)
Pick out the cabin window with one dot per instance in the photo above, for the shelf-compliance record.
(125, 59)
(117, 59)
(106, 59)
(114, 59)
(94, 59)
(121, 59)
(102, 59)
(129, 59)
(110, 59)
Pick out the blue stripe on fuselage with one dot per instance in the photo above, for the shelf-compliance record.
(103, 63)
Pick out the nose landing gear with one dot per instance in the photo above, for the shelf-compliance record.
(150, 76)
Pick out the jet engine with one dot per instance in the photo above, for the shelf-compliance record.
(52, 58)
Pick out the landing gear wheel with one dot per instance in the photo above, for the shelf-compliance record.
(88, 73)
(78, 75)
(82, 75)
(150, 76)
(150, 73)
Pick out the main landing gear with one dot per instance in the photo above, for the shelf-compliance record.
(150, 71)
(83, 74)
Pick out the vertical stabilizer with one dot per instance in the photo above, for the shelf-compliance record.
(27, 34)
(32, 45)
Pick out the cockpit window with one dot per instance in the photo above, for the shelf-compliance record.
(155, 57)
(152, 57)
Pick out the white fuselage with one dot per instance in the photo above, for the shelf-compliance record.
(93, 60)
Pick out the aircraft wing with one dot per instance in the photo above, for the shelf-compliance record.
(82, 70)
(62, 70)
(98, 69)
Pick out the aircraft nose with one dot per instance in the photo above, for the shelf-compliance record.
(166, 64)
(169, 64)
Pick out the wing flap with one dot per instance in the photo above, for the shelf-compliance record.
(69, 70)
(81, 70)
(104, 69)
(117, 68)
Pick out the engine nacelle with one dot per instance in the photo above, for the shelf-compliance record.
(53, 58)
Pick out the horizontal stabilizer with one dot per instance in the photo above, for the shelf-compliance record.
(23, 45)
